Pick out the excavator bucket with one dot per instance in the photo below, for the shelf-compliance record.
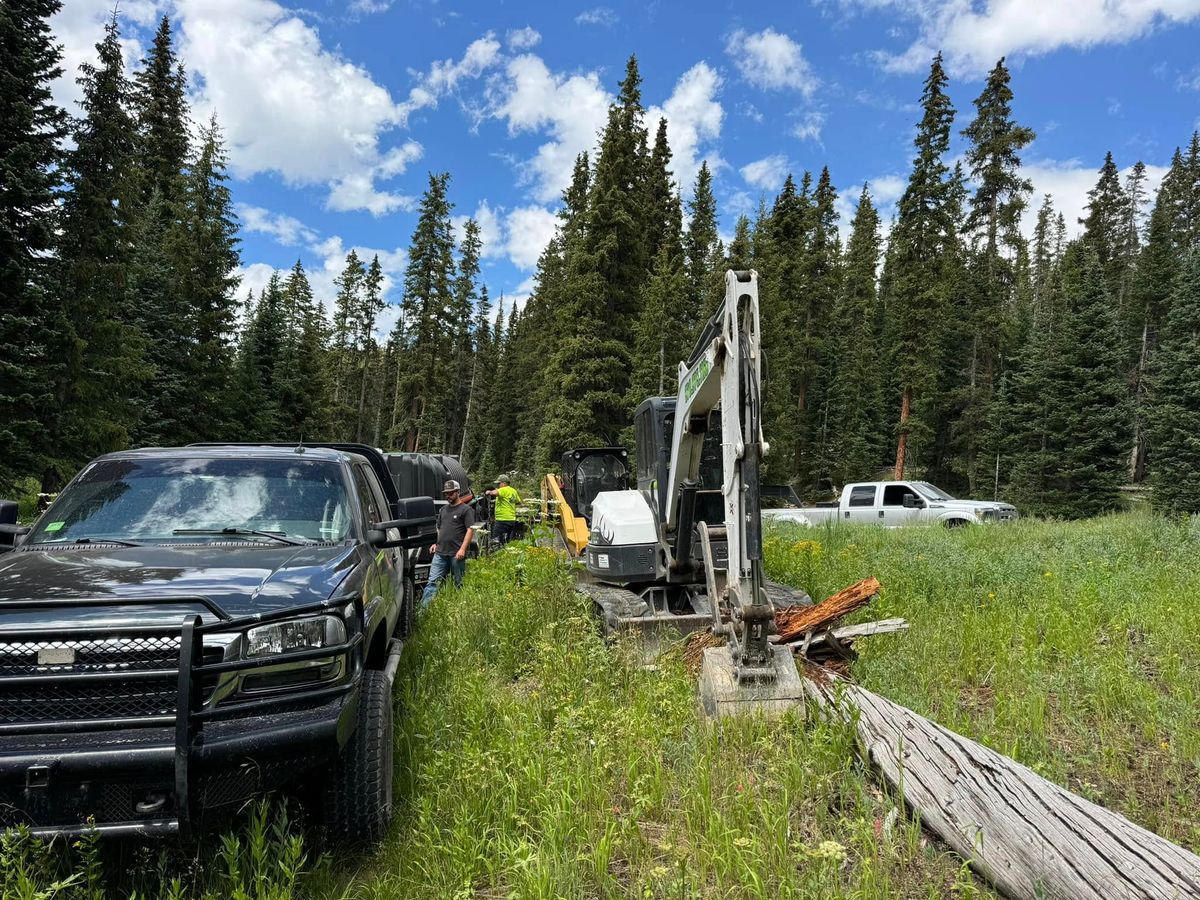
(723, 694)
(653, 622)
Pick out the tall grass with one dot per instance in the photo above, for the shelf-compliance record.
(1071, 647)
(537, 761)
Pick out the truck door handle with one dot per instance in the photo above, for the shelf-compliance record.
(881, 514)
(847, 514)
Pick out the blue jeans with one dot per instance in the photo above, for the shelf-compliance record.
(441, 564)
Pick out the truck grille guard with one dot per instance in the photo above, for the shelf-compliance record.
(188, 678)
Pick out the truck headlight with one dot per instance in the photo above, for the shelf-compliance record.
(297, 634)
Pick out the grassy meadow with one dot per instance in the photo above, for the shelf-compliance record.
(536, 761)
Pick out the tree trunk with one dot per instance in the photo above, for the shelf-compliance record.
(1030, 838)
(902, 443)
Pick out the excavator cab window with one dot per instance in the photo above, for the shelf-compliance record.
(595, 474)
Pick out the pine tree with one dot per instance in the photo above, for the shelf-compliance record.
(371, 304)
(209, 285)
(483, 370)
(822, 276)
(262, 343)
(702, 246)
(346, 350)
(299, 374)
(1174, 408)
(31, 127)
(993, 226)
(738, 253)
(162, 243)
(425, 382)
(160, 106)
(1103, 227)
(462, 312)
(1071, 416)
(856, 398)
(919, 278)
(98, 350)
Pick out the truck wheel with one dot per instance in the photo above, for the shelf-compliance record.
(408, 609)
(955, 523)
(358, 795)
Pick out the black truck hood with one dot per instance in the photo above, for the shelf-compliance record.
(241, 580)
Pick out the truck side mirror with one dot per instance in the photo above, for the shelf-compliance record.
(411, 529)
(9, 529)
(911, 502)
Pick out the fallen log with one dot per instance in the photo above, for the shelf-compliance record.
(839, 642)
(1030, 838)
(792, 622)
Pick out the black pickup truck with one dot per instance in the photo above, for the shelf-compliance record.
(187, 627)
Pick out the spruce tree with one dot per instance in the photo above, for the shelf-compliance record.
(97, 348)
(463, 310)
(993, 227)
(1174, 407)
(347, 352)
(425, 382)
(31, 127)
(1071, 415)
(919, 278)
(209, 285)
(702, 246)
(299, 374)
(261, 345)
(160, 107)
(856, 399)
(1104, 225)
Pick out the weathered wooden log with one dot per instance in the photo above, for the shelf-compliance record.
(839, 642)
(1030, 838)
(794, 621)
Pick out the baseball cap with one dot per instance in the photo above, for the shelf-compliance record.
(450, 486)
(501, 479)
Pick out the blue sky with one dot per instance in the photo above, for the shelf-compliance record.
(336, 111)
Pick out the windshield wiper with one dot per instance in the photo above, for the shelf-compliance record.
(243, 532)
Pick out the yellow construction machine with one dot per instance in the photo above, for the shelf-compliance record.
(567, 498)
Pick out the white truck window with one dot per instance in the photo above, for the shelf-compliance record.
(863, 495)
(893, 494)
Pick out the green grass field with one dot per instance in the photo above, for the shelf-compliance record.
(534, 760)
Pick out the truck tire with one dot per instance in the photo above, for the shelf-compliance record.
(358, 794)
(408, 609)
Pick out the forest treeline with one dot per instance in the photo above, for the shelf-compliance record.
(1045, 370)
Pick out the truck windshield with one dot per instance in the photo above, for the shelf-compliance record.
(155, 499)
(930, 492)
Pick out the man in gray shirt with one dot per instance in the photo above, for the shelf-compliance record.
(455, 527)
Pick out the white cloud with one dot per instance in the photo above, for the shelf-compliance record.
(368, 7)
(529, 230)
(597, 15)
(809, 127)
(974, 35)
(358, 191)
(491, 231)
(254, 278)
(767, 173)
(694, 116)
(285, 229)
(445, 75)
(571, 108)
(287, 104)
(885, 191)
(772, 61)
(523, 38)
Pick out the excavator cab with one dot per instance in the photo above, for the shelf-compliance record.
(586, 471)
(567, 498)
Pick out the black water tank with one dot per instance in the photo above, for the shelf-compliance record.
(422, 474)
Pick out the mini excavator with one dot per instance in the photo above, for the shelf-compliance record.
(683, 551)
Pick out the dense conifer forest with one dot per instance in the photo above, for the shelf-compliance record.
(1043, 370)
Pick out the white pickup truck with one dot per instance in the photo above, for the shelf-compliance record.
(893, 504)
